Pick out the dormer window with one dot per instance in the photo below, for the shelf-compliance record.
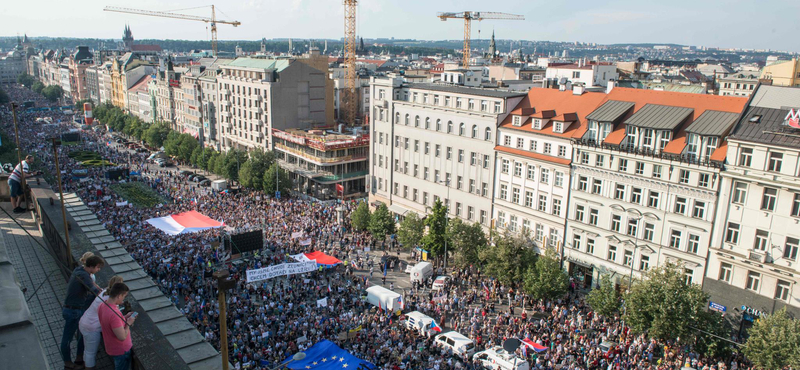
(558, 127)
(710, 146)
(537, 124)
(517, 121)
(666, 136)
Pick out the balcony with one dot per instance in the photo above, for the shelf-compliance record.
(345, 176)
(757, 256)
(316, 159)
(259, 98)
(260, 110)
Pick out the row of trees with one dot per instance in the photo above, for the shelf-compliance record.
(255, 169)
(51, 93)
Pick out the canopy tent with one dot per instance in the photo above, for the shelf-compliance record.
(186, 222)
(326, 355)
(319, 257)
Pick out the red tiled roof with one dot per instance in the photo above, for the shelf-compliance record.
(559, 102)
(533, 155)
(721, 152)
(141, 84)
(699, 102)
(141, 47)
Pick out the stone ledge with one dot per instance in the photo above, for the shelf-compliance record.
(184, 339)
(197, 352)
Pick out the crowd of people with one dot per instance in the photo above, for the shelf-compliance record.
(271, 320)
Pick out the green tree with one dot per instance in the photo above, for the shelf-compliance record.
(37, 87)
(53, 93)
(509, 259)
(79, 105)
(172, 143)
(774, 342)
(381, 222)
(663, 305)
(713, 346)
(156, 135)
(211, 163)
(604, 299)
(411, 231)
(359, 218)
(4, 99)
(434, 240)
(252, 171)
(187, 147)
(284, 182)
(467, 241)
(233, 162)
(25, 79)
(546, 279)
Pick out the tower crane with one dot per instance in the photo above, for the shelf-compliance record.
(475, 16)
(349, 103)
(213, 20)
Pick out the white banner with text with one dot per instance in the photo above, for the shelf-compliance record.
(283, 269)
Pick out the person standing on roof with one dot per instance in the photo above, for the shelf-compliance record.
(15, 182)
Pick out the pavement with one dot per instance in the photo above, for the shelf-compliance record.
(36, 269)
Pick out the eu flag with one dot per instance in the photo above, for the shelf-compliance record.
(326, 355)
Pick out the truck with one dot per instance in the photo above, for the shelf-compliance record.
(497, 358)
(421, 272)
(219, 185)
(386, 299)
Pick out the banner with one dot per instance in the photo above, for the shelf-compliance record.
(297, 234)
(322, 302)
(283, 269)
(305, 242)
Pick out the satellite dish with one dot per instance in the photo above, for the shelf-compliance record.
(511, 345)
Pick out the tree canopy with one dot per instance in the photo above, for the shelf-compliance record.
(509, 259)
(359, 218)
(467, 242)
(774, 342)
(434, 240)
(284, 184)
(381, 222)
(412, 230)
(26, 80)
(604, 299)
(545, 279)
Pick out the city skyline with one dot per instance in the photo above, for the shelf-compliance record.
(699, 24)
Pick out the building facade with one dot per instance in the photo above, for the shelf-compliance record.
(589, 74)
(645, 182)
(435, 142)
(753, 267)
(78, 64)
(12, 65)
(738, 84)
(783, 73)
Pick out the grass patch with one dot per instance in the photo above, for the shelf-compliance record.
(84, 155)
(96, 163)
(138, 194)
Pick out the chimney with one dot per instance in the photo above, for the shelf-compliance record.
(578, 89)
(610, 86)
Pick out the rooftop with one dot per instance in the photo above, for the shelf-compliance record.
(490, 93)
(659, 117)
(713, 123)
(555, 104)
(610, 111)
(764, 120)
(259, 63)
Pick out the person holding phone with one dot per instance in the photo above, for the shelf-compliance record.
(116, 327)
(90, 325)
(20, 172)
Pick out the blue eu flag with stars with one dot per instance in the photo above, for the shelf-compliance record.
(326, 355)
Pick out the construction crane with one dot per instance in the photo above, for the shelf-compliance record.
(213, 20)
(475, 16)
(349, 104)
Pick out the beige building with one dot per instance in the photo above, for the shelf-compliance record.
(783, 73)
(738, 84)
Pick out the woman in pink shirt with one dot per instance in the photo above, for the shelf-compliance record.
(116, 328)
(90, 325)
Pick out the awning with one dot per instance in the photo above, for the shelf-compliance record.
(394, 208)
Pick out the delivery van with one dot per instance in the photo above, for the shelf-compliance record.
(219, 185)
(496, 358)
(421, 272)
(419, 322)
(455, 342)
(386, 299)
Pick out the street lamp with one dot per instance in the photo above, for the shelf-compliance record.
(446, 220)
(299, 356)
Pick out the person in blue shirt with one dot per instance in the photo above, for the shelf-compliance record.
(81, 291)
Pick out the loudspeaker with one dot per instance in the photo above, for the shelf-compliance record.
(246, 242)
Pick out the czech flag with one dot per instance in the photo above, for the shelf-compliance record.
(187, 222)
(435, 327)
(535, 346)
(486, 289)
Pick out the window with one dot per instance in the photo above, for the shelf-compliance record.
(666, 136)
(633, 227)
(769, 198)
(593, 215)
(619, 192)
(699, 210)
(796, 206)
(427, 148)
(640, 168)
(537, 124)
(503, 191)
(438, 125)
(623, 165)
(416, 146)
(584, 158)
(531, 172)
(636, 195)
(416, 121)
(496, 107)
(657, 170)
(407, 119)
(461, 156)
(599, 160)
(627, 258)
(449, 153)
(474, 131)
(694, 243)
(547, 148)
(459, 182)
(461, 129)
(576, 74)
(583, 183)
(458, 209)
(470, 213)
(732, 233)
(745, 157)
(652, 199)
(483, 217)
(647, 138)
(612, 253)
(597, 186)
(427, 123)
(579, 211)
(487, 134)
(649, 231)
(562, 151)
(725, 272)
(520, 143)
(529, 199)
(753, 281)
(533, 145)
(449, 127)
(515, 195)
(436, 175)
(790, 249)
(775, 161)
(762, 237)
(458, 103)
(558, 127)
(589, 245)
(484, 189)
(539, 235)
(680, 205)
(425, 173)
(684, 177)
(616, 221)
(416, 170)
(438, 151)
(576, 241)
(504, 167)
(644, 262)
(675, 239)
(415, 194)
(507, 141)
(425, 197)
(405, 191)
(559, 179)
(544, 176)
(485, 161)
(556, 207)
(542, 207)
(501, 219)
(739, 192)
(687, 274)
(517, 121)
(518, 169)
(782, 290)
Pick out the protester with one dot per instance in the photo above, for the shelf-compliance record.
(116, 327)
(81, 290)
(89, 325)
(21, 171)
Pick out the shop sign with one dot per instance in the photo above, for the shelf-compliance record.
(716, 307)
(752, 311)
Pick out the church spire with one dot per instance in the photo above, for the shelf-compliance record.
(492, 47)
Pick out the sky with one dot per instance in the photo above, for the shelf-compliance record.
(754, 24)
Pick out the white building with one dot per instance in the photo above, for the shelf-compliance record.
(754, 253)
(435, 141)
(645, 182)
(533, 162)
(587, 73)
(738, 84)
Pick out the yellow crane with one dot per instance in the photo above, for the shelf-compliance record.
(475, 16)
(213, 20)
(349, 104)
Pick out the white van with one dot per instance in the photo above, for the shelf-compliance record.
(496, 358)
(456, 342)
(419, 322)
(386, 299)
(421, 272)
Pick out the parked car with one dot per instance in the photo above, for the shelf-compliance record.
(440, 282)
(142, 150)
(199, 178)
(186, 173)
(205, 182)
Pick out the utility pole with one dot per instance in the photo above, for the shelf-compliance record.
(19, 157)
(223, 284)
(56, 143)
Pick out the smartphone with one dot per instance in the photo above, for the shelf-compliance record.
(135, 314)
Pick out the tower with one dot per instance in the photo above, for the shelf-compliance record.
(263, 46)
(492, 47)
(291, 50)
(127, 38)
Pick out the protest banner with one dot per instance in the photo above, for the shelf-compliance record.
(282, 269)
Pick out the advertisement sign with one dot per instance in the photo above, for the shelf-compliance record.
(793, 118)
(716, 307)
